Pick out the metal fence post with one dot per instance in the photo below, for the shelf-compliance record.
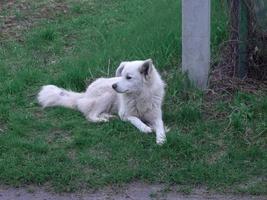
(243, 38)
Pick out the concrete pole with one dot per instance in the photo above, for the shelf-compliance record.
(196, 40)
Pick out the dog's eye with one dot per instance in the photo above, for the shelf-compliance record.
(128, 77)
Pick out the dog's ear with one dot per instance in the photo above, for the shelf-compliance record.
(146, 67)
(120, 68)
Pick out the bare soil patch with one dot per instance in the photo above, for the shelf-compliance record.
(18, 16)
(133, 191)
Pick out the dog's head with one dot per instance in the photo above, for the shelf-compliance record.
(133, 75)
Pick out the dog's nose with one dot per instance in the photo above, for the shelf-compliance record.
(114, 86)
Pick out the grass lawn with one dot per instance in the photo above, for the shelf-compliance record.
(221, 145)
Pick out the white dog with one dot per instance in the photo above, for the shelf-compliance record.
(135, 94)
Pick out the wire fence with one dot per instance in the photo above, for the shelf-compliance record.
(248, 38)
(242, 64)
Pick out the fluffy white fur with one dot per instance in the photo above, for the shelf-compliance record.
(135, 94)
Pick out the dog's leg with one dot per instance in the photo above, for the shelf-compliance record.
(107, 115)
(160, 131)
(92, 117)
(88, 108)
(99, 109)
(139, 124)
(85, 105)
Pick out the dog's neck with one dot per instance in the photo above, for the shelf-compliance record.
(145, 95)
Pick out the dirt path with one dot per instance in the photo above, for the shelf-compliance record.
(133, 191)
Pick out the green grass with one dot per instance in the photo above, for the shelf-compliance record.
(59, 147)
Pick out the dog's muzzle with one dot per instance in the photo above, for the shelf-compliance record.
(114, 86)
(117, 89)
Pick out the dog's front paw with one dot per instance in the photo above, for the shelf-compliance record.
(146, 129)
(161, 140)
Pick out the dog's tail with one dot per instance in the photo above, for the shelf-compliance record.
(51, 95)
